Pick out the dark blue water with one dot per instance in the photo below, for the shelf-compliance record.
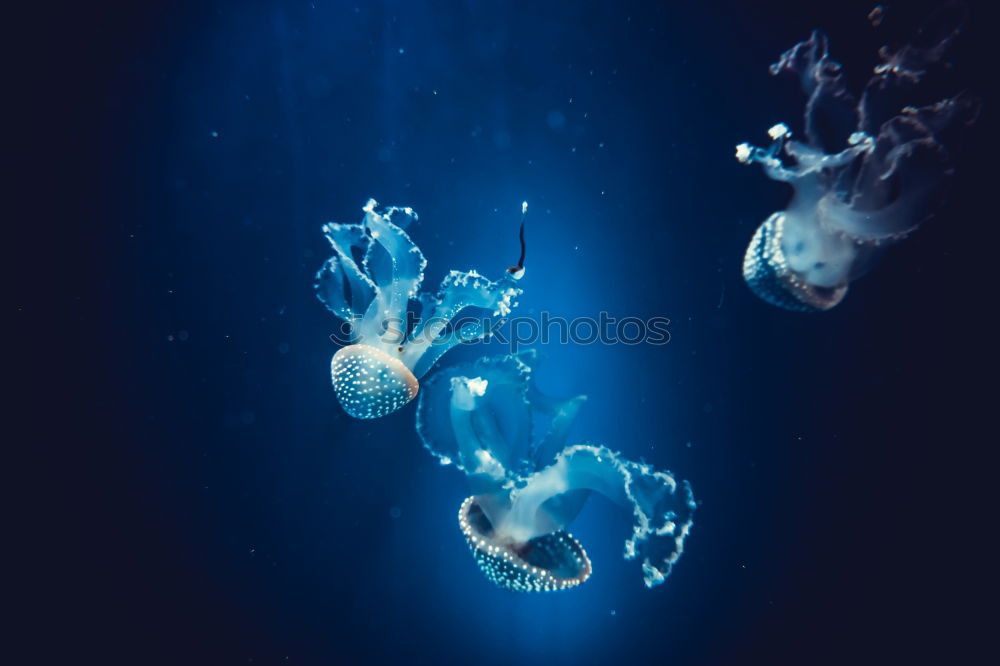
(224, 510)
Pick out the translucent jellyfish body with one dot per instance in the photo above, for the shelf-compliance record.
(394, 331)
(490, 421)
(868, 173)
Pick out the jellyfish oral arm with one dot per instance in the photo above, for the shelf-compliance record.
(459, 291)
(397, 267)
(374, 294)
(579, 467)
(808, 160)
(476, 431)
(661, 508)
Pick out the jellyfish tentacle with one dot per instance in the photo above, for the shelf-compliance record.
(488, 303)
(474, 409)
(479, 433)
(394, 262)
(332, 289)
(905, 177)
(831, 111)
(517, 270)
(578, 467)
(341, 285)
(562, 414)
(903, 69)
(661, 507)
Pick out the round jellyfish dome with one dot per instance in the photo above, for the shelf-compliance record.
(769, 276)
(370, 383)
(554, 561)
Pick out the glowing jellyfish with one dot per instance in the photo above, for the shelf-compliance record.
(490, 420)
(395, 331)
(868, 174)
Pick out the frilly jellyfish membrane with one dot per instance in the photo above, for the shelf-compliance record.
(867, 175)
(397, 332)
(490, 421)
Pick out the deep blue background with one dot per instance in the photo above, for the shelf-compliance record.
(215, 506)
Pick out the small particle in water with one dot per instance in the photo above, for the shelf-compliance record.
(215, 135)
(613, 612)
(687, 444)
(876, 15)
(401, 50)
(395, 512)
(283, 348)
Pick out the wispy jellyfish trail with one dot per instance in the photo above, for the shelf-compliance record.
(490, 421)
(396, 331)
(868, 174)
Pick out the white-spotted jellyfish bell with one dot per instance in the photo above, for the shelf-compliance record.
(867, 174)
(490, 421)
(395, 332)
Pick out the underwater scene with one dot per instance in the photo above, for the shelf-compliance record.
(503, 332)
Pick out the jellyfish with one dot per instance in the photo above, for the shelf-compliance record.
(490, 421)
(867, 174)
(395, 331)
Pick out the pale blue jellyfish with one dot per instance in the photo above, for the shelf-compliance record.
(490, 421)
(867, 175)
(396, 332)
